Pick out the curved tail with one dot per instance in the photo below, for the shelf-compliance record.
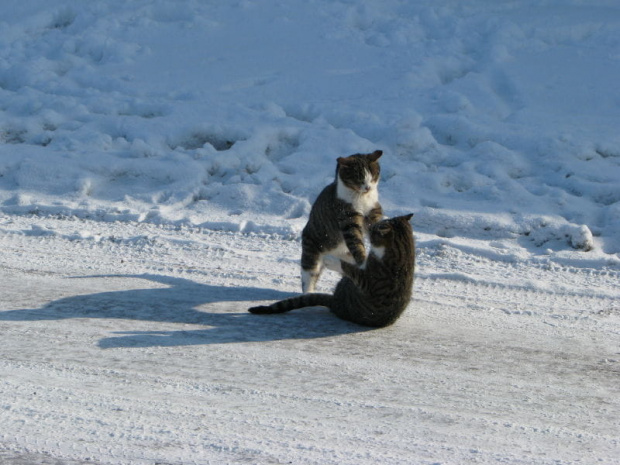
(286, 305)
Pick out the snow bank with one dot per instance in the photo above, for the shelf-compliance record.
(498, 121)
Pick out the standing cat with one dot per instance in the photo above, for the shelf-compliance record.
(340, 216)
(375, 293)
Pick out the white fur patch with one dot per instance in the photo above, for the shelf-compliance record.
(378, 252)
(341, 251)
(362, 202)
(333, 263)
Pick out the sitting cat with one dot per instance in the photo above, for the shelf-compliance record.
(375, 293)
(340, 216)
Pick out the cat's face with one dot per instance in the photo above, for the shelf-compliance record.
(360, 172)
(382, 234)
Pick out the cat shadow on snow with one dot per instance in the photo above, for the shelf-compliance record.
(178, 302)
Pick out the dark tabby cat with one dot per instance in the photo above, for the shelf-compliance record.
(340, 216)
(374, 294)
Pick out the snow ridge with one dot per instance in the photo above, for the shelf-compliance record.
(111, 112)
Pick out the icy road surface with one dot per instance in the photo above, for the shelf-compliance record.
(130, 343)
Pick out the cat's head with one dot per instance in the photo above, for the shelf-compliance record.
(359, 172)
(384, 232)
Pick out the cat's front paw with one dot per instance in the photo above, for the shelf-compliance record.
(332, 263)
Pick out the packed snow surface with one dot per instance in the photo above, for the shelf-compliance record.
(159, 159)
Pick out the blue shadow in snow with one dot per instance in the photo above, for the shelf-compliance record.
(178, 302)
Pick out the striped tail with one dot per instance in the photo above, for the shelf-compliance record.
(286, 305)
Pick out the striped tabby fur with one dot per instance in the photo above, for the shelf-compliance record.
(374, 294)
(341, 215)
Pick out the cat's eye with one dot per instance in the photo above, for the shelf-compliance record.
(383, 229)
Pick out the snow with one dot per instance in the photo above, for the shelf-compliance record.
(158, 161)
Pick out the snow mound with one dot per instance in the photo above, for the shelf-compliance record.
(498, 122)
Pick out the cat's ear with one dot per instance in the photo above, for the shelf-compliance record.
(343, 161)
(407, 217)
(374, 156)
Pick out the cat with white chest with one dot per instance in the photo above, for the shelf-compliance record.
(341, 216)
(374, 293)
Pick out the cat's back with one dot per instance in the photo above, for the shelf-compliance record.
(380, 306)
(324, 213)
(388, 278)
(325, 200)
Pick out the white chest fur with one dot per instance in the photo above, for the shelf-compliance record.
(378, 252)
(362, 202)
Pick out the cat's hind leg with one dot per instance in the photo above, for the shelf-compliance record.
(309, 279)
(311, 268)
